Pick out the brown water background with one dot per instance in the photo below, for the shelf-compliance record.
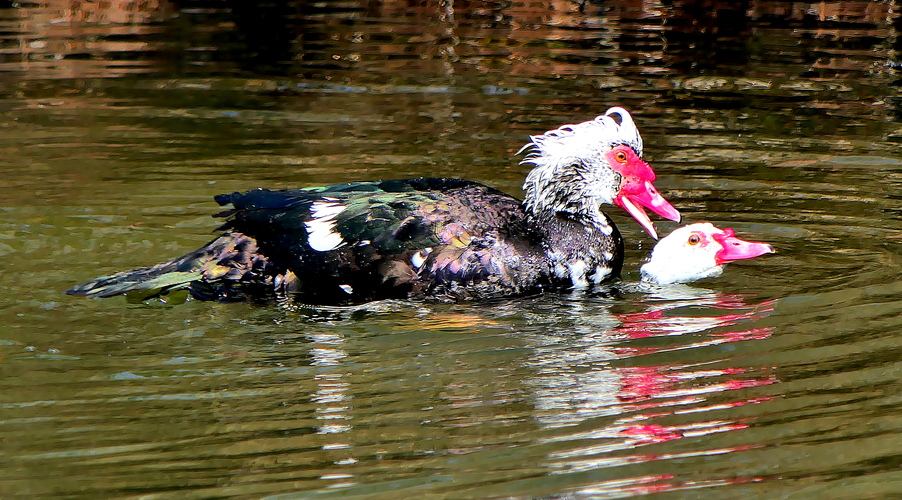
(120, 119)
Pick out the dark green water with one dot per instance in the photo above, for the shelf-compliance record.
(119, 122)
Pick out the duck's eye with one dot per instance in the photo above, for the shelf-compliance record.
(620, 156)
(694, 239)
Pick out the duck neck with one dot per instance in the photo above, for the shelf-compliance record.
(583, 249)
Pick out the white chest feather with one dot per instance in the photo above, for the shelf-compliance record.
(579, 272)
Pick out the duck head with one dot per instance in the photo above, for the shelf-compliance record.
(697, 251)
(578, 167)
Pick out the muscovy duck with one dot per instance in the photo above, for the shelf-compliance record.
(440, 238)
(697, 251)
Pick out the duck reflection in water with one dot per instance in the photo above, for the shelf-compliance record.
(630, 385)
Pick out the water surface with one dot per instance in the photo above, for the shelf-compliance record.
(780, 378)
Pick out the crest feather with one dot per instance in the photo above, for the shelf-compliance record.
(587, 138)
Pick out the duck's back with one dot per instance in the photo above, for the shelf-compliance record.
(422, 237)
(352, 243)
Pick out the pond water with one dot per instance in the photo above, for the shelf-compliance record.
(121, 120)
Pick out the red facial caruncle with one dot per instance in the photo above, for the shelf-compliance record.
(636, 188)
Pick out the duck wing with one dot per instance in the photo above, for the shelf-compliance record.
(421, 237)
(351, 243)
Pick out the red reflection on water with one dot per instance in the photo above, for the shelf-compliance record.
(643, 382)
(652, 394)
(635, 486)
(642, 485)
(640, 383)
(661, 381)
(652, 433)
(657, 322)
(753, 334)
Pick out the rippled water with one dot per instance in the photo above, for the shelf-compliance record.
(121, 120)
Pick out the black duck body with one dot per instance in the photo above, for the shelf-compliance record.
(422, 238)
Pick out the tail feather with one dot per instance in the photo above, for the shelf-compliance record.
(230, 258)
(168, 276)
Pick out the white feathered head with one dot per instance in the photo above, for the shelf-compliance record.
(580, 166)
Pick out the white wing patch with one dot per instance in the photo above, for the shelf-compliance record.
(419, 258)
(320, 228)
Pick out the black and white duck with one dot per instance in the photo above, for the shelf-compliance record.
(424, 238)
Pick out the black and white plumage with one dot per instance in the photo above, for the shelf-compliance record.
(446, 239)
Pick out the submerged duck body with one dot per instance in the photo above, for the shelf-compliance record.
(423, 238)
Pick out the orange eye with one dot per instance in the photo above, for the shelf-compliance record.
(620, 156)
(694, 239)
